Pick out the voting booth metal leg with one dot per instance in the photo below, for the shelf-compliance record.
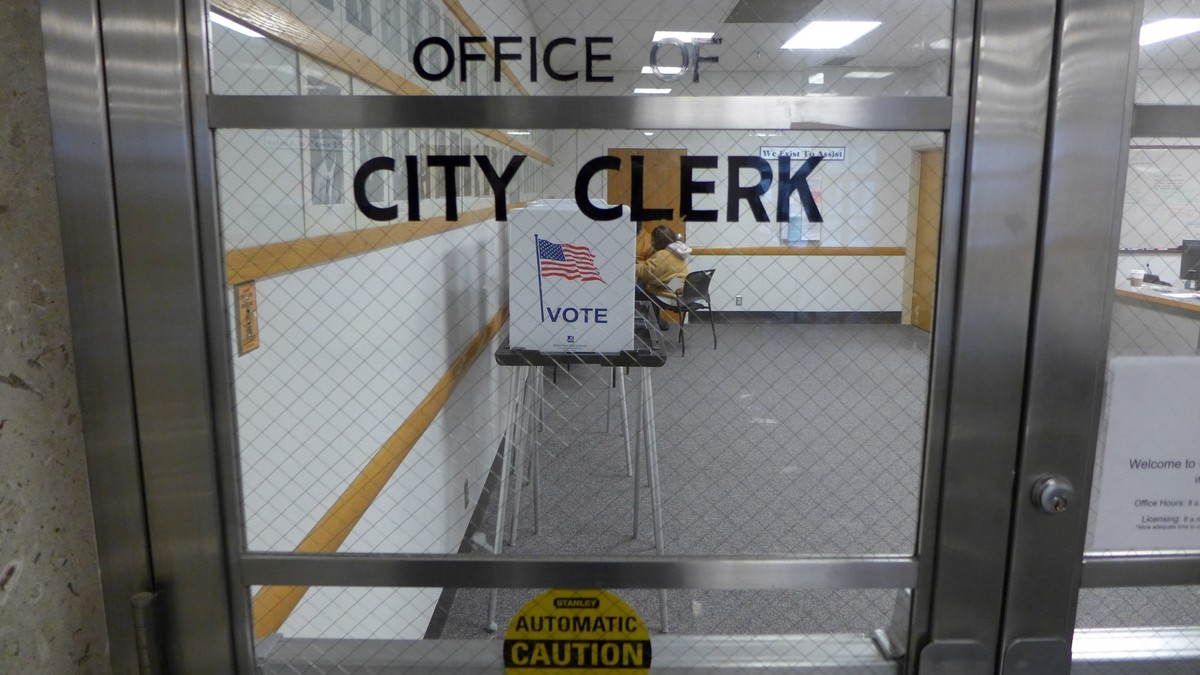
(536, 469)
(637, 471)
(652, 460)
(526, 427)
(624, 421)
(655, 487)
(608, 403)
(505, 469)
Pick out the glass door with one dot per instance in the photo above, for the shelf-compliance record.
(1106, 490)
(409, 349)
(403, 408)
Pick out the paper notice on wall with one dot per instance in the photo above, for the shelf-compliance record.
(1150, 482)
(570, 279)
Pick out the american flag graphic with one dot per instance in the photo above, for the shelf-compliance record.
(567, 261)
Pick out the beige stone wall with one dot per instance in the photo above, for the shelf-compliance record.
(51, 613)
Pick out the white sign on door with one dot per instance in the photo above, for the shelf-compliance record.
(1150, 484)
(828, 154)
(570, 279)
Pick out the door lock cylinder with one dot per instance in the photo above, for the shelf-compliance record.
(1053, 494)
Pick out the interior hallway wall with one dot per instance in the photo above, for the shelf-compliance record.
(866, 200)
(51, 611)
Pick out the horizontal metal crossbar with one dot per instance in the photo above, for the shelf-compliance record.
(1106, 571)
(914, 113)
(1166, 121)
(471, 571)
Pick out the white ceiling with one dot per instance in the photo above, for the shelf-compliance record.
(914, 32)
(1178, 53)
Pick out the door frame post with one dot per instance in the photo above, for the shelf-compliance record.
(1086, 159)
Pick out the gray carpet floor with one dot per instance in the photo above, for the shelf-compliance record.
(787, 439)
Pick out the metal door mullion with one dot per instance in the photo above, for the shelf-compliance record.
(1087, 151)
(91, 257)
(990, 322)
(217, 322)
(942, 338)
(146, 69)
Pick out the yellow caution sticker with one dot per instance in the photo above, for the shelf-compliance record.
(574, 632)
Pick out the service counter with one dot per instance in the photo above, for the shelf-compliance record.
(1147, 321)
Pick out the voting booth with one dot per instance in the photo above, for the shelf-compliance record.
(570, 279)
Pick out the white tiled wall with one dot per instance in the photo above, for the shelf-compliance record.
(1162, 206)
(260, 185)
(349, 350)
(1162, 196)
(866, 201)
(806, 283)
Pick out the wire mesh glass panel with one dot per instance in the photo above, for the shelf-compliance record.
(755, 385)
(1156, 315)
(1144, 498)
(1132, 631)
(1151, 606)
(444, 47)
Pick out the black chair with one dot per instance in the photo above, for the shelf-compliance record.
(691, 298)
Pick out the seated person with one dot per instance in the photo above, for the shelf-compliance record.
(643, 249)
(667, 264)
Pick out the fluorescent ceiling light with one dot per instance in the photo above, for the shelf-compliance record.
(517, 133)
(683, 36)
(643, 90)
(867, 75)
(819, 78)
(766, 135)
(1167, 29)
(665, 70)
(233, 25)
(647, 133)
(830, 34)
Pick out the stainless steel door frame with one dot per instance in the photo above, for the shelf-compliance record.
(1093, 120)
(148, 77)
(91, 253)
(967, 545)
(1086, 159)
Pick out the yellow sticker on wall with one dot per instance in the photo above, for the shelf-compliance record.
(572, 632)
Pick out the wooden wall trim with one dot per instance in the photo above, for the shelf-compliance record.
(292, 31)
(272, 605)
(1192, 306)
(861, 251)
(247, 264)
(472, 27)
